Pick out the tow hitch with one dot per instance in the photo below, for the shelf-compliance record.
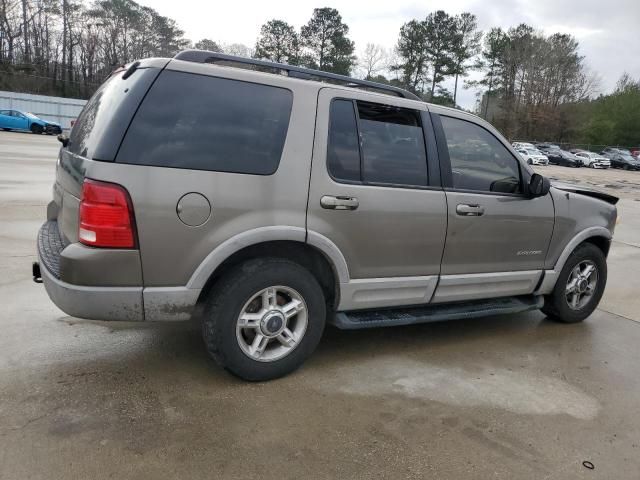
(35, 270)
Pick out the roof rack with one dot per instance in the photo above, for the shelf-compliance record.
(203, 56)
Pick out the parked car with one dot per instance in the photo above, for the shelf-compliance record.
(593, 160)
(543, 147)
(533, 156)
(524, 145)
(562, 157)
(187, 186)
(17, 120)
(621, 158)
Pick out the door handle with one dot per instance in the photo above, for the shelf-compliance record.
(469, 210)
(331, 202)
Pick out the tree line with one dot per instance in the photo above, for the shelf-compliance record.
(529, 85)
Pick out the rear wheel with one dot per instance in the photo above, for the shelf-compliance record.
(579, 287)
(36, 129)
(6, 129)
(264, 319)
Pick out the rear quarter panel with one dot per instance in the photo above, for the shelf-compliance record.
(172, 251)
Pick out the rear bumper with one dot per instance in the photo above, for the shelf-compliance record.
(94, 303)
(104, 284)
(83, 301)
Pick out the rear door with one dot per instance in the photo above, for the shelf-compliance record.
(497, 236)
(6, 120)
(376, 197)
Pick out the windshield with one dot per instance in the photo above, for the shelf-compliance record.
(31, 115)
(628, 158)
(533, 152)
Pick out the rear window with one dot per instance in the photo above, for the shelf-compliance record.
(99, 129)
(207, 123)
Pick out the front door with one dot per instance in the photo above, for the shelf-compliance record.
(20, 121)
(497, 237)
(374, 198)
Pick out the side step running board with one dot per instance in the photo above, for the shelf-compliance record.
(435, 313)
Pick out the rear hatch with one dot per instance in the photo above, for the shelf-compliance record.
(96, 137)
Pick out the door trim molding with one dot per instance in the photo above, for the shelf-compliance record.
(386, 292)
(475, 286)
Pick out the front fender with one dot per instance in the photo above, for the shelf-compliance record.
(551, 276)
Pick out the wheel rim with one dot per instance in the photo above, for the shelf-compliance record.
(581, 284)
(272, 323)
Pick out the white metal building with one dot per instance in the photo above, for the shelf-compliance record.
(56, 109)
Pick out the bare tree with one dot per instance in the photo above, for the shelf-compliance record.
(374, 60)
(237, 49)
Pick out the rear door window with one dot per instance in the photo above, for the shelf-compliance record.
(382, 144)
(343, 153)
(393, 148)
(207, 123)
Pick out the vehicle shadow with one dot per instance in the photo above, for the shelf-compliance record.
(176, 349)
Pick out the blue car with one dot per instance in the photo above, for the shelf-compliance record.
(16, 120)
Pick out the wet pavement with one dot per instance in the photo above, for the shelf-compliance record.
(504, 397)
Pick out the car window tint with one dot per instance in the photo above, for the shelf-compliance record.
(207, 123)
(343, 155)
(392, 143)
(478, 160)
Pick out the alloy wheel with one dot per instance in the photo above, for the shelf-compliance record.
(272, 323)
(581, 284)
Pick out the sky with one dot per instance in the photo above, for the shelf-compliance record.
(608, 31)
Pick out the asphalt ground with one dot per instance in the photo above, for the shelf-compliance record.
(510, 397)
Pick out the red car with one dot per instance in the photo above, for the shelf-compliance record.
(635, 152)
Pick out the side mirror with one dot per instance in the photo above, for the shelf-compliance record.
(538, 185)
(63, 139)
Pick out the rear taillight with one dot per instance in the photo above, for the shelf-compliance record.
(106, 216)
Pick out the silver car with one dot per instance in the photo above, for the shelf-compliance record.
(593, 160)
(533, 156)
(267, 200)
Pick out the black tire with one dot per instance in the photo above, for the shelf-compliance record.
(626, 167)
(6, 129)
(230, 294)
(530, 162)
(37, 129)
(556, 306)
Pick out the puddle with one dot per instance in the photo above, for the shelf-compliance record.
(516, 391)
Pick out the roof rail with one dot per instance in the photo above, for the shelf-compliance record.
(203, 56)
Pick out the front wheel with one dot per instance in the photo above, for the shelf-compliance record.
(36, 129)
(579, 287)
(264, 318)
